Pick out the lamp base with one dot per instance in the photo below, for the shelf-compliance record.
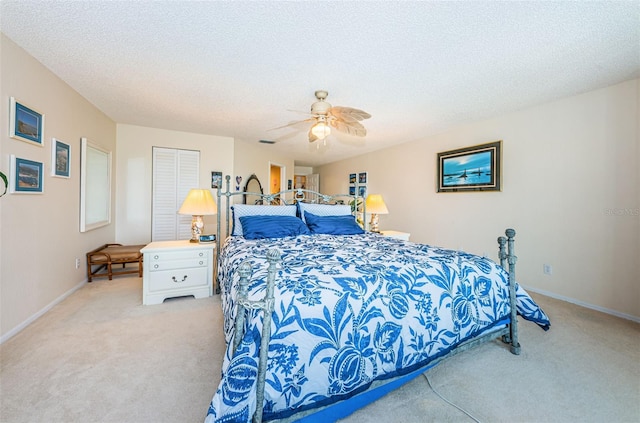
(373, 225)
(197, 226)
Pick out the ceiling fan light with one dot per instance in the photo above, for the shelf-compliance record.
(321, 130)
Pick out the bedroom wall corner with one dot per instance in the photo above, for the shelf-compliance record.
(40, 238)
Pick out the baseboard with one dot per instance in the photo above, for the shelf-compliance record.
(583, 304)
(34, 317)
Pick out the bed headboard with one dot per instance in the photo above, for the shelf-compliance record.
(288, 197)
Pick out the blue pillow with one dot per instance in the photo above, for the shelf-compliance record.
(261, 227)
(332, 225)
(323, 209)
(239, 210)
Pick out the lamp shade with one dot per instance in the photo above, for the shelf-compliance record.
(199, 202)
(375, 204)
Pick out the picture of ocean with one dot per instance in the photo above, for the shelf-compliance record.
(468, 169)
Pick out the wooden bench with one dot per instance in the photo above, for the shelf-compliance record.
(105, 257)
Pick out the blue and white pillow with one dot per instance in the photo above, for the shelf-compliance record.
(240, 210)
(324, 209)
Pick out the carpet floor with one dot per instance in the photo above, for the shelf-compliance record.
(101, 356)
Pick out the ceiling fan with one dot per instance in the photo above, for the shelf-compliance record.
(325, 116)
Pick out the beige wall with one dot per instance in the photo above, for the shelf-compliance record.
(39, 235)
(570, 189)
(134, 174)
(255, 158)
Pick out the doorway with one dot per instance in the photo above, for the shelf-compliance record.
(277, 175)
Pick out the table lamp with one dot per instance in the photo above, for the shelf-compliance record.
(375, 206)
(198, 203)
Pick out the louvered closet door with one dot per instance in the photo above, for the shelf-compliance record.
(175, 172)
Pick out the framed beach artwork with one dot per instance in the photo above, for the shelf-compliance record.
(60, 159)
(474, 168)
(25, 124)
(26, 176)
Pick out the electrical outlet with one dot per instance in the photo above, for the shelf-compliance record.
(77, 263)
(547, 269)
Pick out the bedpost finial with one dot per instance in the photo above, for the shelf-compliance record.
(245, 270)
(510, 233)
(273, 254)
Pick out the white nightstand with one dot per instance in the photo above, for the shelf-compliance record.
(395, 234)
(176, 269)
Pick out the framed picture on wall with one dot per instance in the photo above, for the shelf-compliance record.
(216, 180)
(474, 168)
(362, 178)
(352, 190)
(352, 178)
(26, 176)
(60, 159)
(25, 123)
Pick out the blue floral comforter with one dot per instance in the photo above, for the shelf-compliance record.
(349, 310)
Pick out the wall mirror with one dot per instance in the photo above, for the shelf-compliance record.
(95, 186)
(254, 186)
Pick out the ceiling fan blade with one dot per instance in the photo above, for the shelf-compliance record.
(349, 127)
(293, 124)
(348, 114)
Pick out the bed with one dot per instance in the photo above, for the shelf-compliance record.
(349, 315)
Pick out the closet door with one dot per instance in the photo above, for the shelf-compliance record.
(175, 172)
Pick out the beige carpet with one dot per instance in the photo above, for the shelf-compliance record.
(100, 356)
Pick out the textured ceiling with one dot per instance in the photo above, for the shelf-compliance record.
(238, 69)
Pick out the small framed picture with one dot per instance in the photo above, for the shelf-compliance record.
(216, 180)
(362, 191)
(289, 183)
(60, 159)
(362, 178)
(352, 190)
(352, 178)
(26, 176)
(26, 124)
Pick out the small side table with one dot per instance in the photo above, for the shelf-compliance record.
(176, 269)
(396, 234)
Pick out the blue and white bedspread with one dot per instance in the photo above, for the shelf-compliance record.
(349, 310)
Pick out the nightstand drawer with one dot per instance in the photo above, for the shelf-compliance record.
(178, 279)
(156, 266)
(164, 256)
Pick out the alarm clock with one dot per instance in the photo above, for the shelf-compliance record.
(207, 238)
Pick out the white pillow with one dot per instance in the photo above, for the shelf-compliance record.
(241, 210)
(324, 209)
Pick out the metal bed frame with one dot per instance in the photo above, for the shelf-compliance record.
(506, 255)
